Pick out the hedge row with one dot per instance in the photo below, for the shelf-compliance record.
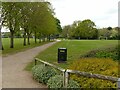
(109, 52)
(51, 77)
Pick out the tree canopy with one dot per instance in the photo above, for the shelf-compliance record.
(85, 29)
(33, 18)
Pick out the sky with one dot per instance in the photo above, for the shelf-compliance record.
(103, 12)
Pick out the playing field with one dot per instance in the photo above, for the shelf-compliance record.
(75, 48)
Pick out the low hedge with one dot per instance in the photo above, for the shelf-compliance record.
(57, 82)
(109, 52)
(106, 67)
(42, 73)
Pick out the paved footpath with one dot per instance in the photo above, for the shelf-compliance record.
(13, 73)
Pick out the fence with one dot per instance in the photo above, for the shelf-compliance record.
(66, 74)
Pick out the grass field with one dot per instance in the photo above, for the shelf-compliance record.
(18, 45)
(74, 50)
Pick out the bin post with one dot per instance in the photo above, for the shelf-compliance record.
(66, 78)
(118, 83)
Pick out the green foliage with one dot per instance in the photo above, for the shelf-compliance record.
(109, 52)
(42, 73)
(106, 67)
(57, 82)
(73, 84)
(86, 29)
(58, 25)
(17, 17)
(81, 30)
(108, 33)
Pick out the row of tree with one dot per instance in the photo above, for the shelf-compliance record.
(108, 33)
(86, 29)
(30, 18)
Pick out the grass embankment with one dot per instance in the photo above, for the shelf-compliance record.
(75, 48)
(18, 45)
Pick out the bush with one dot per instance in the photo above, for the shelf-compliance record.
(42, 73)
(73, 84)
(106, 67)
(57, 82)
(110, 52)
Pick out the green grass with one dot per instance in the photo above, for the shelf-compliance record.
(18, 45)
(74, 48)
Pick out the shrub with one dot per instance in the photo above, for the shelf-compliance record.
(42, 73)
(106, 67)
(57, 82)
(109, 52)
(73, 84)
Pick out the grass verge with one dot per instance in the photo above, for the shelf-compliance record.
(18, 46)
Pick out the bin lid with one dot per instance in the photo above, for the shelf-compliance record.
(62, 48)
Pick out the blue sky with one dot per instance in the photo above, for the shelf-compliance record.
(103, 12)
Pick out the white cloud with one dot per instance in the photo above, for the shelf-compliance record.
(103, 12)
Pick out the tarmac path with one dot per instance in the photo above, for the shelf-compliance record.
(13, 73)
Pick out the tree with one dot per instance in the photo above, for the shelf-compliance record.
(109, 28)
(86, 29)
(32, 18)
(11, 17)
(65, 31)
(59, 28)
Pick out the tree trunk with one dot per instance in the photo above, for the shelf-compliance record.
(2, 47)
(0, 40)
(49, 37)
(28, 39)
(43, 39)
(35, 38)
(39, 37)
(12, 40)
(24, 43)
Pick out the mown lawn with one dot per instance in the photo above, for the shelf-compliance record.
(18, 45)
(75, 49)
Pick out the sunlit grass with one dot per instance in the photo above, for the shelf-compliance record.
(18, 45)
(75, 48)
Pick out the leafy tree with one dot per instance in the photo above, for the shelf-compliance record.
(107, 33)
(58, 25)
(109, 28)
(86, 29)
(81, 29)
(11, 17)
(32, 18)
(65, 31)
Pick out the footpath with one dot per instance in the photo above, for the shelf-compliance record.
(13, 73)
